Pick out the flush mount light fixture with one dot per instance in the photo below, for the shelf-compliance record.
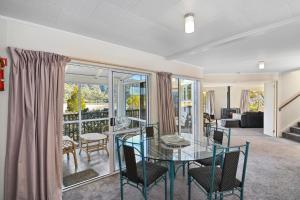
(189, 23)
(261, 65)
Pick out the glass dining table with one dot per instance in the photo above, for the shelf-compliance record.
(156, 149)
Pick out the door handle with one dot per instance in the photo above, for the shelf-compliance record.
(112, 121)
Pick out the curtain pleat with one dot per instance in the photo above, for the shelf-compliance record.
(166, 110)
(34, 153)
(244, 102)
(210, 102)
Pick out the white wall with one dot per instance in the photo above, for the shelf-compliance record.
(239, 79)
(32, 36)
(26, 35)
(288, 86)
(270, 108)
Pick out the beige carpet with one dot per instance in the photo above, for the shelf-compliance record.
(273, 173)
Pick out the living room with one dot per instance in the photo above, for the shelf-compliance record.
(230, 111)
(238, 100)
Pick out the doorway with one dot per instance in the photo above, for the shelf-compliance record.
(184, 92)
(99, 103)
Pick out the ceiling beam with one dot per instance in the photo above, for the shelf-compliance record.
(201, 48)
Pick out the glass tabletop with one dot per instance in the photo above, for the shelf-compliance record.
(155, 148)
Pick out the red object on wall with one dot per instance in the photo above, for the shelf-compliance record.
(1, 74)
(2, 85)
(3, 63)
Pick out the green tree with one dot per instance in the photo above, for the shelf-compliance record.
(133, 102)
(72, 102)
(68, 90)
(256, 100)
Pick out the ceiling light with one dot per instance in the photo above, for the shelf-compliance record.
(261, 65)
(189, 23)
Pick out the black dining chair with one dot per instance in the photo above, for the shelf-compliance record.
(207, 123)
(217, 139)
(152, 130)
(221, 181)
(143, 174)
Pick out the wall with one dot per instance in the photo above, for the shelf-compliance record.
(247, 80)
(270, 101)
(16, 33)
(288, 86)
(32, 36)
(3, 107)
(221, 95)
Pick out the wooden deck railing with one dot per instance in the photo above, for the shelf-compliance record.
(95, 121)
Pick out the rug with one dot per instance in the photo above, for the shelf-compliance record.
(79, 177)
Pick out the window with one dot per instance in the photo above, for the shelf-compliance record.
(92, 115)
(175, 95)
(130, 100)
(71, 111)
(256, 100)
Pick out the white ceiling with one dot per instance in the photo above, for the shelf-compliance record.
(230, 36)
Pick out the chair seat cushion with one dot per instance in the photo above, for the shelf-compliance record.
(153, 172)
(208, 161)
(202, 176)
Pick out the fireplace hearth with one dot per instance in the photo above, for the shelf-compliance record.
(226, 113)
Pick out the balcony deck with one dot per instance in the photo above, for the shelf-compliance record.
(99, 163)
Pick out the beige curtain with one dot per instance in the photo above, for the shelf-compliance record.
(210, 102)
(244, 103)
(34, 153)
(166, 110)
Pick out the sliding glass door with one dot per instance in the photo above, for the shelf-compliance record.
(130, 103)
(99, 103)
(86, 124)
(130, 100)
(185, 105)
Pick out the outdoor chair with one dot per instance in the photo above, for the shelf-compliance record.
(69, 146)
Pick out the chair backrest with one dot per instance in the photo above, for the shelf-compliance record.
(229, 170)
(218, 136)
(130, 163)
(206, 118)
(149, 131)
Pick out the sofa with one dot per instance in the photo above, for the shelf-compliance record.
(252, 120)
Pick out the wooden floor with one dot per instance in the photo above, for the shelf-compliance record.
(99, 162)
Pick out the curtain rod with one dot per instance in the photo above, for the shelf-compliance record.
(125, 66)
(111, 64)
